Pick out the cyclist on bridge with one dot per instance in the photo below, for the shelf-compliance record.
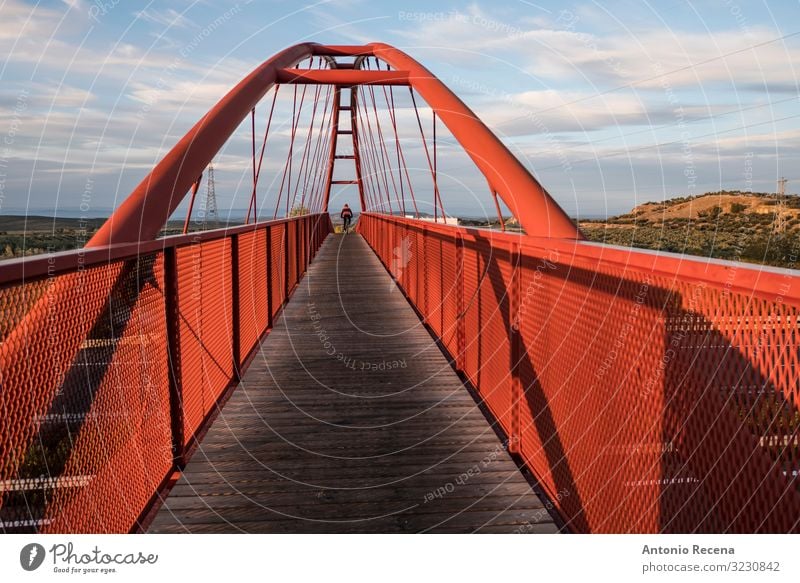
(347, 216)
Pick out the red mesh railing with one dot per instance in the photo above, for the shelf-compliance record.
(278, 267)
(113, 359)
(646, 392)
(291, 247)
(253, 288)
(205, 328)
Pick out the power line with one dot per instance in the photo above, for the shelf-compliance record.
(678, 70)
(782, 186)
(659, 145)
(211, 216)
(780, 213)
(686, 122)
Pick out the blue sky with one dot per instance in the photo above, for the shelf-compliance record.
(609, 104)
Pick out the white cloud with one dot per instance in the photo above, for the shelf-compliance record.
(787, 141)
(164, 18)
(60, 96)
(21, 21)
(180, 93)
(537, 112)
(565, 53)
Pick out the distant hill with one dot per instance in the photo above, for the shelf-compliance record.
(14, 224)
(739, 226)
(728, 203)
(22, 236)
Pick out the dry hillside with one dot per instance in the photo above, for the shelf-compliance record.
(739, 226)
(697, 207)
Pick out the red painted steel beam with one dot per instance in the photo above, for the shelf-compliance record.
(524, 196)
(342, 77)
(142, 215)
(343, 50)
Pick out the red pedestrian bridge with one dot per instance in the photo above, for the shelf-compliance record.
(412, 376)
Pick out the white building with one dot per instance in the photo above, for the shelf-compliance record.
(446, 221)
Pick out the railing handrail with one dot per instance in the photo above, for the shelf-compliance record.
(33, 267)
(768, 282)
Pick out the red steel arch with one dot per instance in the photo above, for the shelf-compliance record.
(145, 211)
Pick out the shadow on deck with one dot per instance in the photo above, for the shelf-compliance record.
(350, 419)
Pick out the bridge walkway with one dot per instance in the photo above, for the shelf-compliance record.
(350, 419)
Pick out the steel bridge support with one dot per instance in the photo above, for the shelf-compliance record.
(142, 215)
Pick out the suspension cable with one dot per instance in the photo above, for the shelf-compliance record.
(324, 138)
(288, 155)
(307, 145)
(288, 165)
(291, 151)
(195, 188)
(319, 184)
(380, 161)
(385, 159)
(313, 167)
(253, 136)
(366, 156)
(436, 197)
(380, 174)
(401, 159)
(497, 208)
(374, 150)
(253, 205)
(433, 123)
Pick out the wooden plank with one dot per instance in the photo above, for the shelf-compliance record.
(350, 419)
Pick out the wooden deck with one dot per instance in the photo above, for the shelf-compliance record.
(350, 419)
